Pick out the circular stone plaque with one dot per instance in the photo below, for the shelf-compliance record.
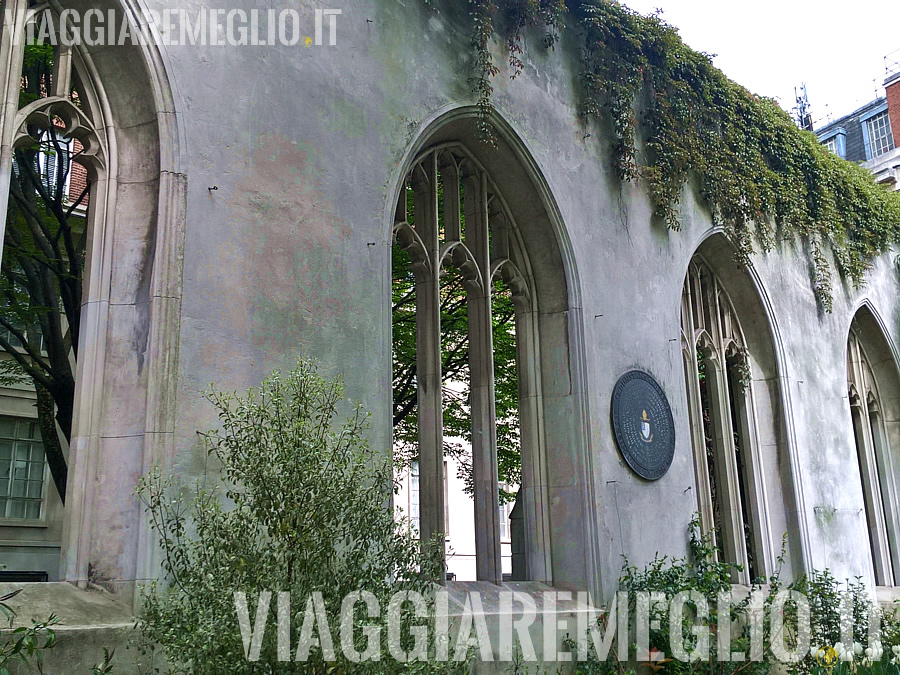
(643, 425)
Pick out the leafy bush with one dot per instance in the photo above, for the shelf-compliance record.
(300, 507)
(25, 644)
(701, 572)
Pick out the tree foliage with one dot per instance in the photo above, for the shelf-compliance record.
(299, 506)
(673, 118)
(454, 371)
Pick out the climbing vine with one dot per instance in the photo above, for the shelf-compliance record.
(675, 118)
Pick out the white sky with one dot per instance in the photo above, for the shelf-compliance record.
(772, 46)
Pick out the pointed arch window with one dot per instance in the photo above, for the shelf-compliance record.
(873, 455)
(723, 435)
(53, 154)
(55, 198)
(453, 230)
(106, 159)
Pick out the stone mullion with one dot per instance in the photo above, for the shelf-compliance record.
(887, 488)
(12, 55)
(534, 489)
(723, 446)
(428, 356)
(62, 71)
(874, 486)
(450, 178)
(871, 493)
(869, 470)
(704, 490)
(698, 440)
(481, 370)
(755, 482)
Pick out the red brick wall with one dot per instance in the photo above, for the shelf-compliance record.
(77, 176)
(77, 173)
(893, 101)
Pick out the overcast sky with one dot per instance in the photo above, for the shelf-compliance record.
(771, 46)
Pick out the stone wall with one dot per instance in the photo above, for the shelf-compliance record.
(293, 158)
(290, 255)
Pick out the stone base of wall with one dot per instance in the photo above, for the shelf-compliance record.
(89, 622)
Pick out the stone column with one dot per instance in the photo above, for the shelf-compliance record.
(481, 372)
(12, 54)
(428, 355)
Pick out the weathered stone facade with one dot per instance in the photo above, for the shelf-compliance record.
(249, 214)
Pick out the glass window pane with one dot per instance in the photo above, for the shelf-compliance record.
(18, 486)
(33, 510)
(33, 490)
(7, 427)
(36, 468)
(31, 430)
(23, 452)
(16, 509)
(22, 468)
(879, 130)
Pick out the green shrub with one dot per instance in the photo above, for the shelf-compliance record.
(301, 506)
(701, 572)
(26, 644)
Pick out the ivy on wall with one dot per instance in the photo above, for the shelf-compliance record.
(762, 178)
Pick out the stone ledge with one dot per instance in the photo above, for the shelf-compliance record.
(89, 622)
(74, 606)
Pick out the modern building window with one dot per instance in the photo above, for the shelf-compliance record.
(836, 141)
(878, 134)
(873, 456)
(52, 162)
(717, 375)
(23, 471)
(55, 161)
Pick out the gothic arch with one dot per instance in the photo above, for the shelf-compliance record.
(550, 302)
(126, 380)
(774, 500)
(874, 397)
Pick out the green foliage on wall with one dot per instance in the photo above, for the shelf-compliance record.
(676, 118)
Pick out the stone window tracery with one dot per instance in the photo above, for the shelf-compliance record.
(455, 228)
(717, 375)
(56, 198)
(53, 154)
(873, 454)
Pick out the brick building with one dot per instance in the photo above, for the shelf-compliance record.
(870, 135)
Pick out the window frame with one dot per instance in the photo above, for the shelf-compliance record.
(41, 521)
(838, 139)
(489, 250)
(710, 326)
(873, 455)
(865, 121)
